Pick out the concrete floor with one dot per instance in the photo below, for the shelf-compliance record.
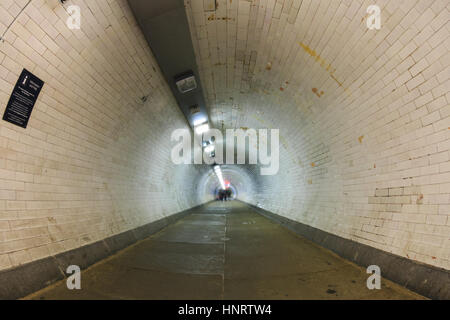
(225, 251)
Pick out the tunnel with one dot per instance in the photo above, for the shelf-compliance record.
(224, 149)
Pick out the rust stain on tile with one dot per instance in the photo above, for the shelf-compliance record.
(313, 164)
(360, 139)
(317, 93)
(419, 199)
(365, 17)
(269, 66)
(281, 89)
(212, 17)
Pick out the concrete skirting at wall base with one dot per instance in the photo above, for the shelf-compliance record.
(429, 281)
(31, 277)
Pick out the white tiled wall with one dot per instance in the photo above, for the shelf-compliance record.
(361, 112)
(94, 160)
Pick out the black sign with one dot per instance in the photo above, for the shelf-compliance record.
(23, 98)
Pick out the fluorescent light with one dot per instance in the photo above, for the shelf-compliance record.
(209, 148)
(218, 172)
(201, 129)
(187, 84)
(199, 121)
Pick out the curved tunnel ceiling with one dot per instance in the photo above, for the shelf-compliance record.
(349, 103)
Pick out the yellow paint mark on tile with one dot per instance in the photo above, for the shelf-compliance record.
(337, 81)
(283, 141)
(258, 119)
(313, 164)
(310, 51)
(322, 62)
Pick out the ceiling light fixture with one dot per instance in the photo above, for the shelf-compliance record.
(201, 129)
(199, 121)
(186, 82)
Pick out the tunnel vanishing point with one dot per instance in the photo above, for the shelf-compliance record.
(93, 204)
